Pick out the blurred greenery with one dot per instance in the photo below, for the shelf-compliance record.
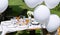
(25, 32)
(56, 10)
(16, 7)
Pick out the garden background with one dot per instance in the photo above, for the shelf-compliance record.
(18, 7)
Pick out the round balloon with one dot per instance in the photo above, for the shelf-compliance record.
(33, 3)
(53, 23)
(41, 13)
(3, 5)
(51, 3)
(59, 19)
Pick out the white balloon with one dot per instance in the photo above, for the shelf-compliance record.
(53, 23)
(41, 13)
(51, 3)
(33, 3)
(3, 5)
(59, 19)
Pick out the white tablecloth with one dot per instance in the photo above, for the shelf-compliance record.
(8, 26)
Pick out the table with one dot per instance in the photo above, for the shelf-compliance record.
(7, 27)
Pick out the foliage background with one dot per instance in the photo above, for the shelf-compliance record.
(16, 7)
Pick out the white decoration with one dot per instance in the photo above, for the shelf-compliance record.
(30, 13)
(33, 3)
(51, 3)
(41, 13)
(53, 23)
(3, 5)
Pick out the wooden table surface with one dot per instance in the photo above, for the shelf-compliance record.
(58, 31)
